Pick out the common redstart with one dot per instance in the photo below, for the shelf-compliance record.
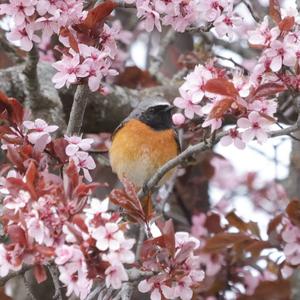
(144, 142)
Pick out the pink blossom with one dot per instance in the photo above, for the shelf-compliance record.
(226, 23)
(115, 274)
(250, 282)
(69, 70)
(17, 202)
(183, 290)
(96, 71)
(157, 289)
(7, 262)
(63, 254)
(180, 15)
(195, 82)
(267, 107)
(233, 137)
(76, 282)
(38, 231)
(263, 35)
(96, 207)
(198, 228)
(76, 143)
(256, 127)
(20, 10)
(280, 54)
(212, 9)
(211, 262)
(85, 162)
(24, 35)
(291, 235)
(108, 237)
(214, 123)
(150, 16)
(123, 254)
(185, 102)
(182, 238)
(225, 176)
(178, 119)
(107, 39)
(39, 128)
(48, 26)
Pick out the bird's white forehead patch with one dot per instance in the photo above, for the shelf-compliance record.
(160, 103)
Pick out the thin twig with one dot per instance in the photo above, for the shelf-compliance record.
(193, 149)
(140, 241)
(246, 72)
(78, 109)
(253, 14)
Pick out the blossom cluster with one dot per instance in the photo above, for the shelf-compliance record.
(182, 15)
(88, 57)
(211, 92)
(34, 16)
(50, 220)
(92, 63)
(255, 114)
(175, 277)
(291, 236)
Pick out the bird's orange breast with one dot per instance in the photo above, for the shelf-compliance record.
(137, 151)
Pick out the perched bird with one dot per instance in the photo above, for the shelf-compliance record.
(144, 142)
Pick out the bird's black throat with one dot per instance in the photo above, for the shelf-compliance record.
(157, 117)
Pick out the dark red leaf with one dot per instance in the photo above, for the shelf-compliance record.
(213, 223)
(221, 241)
(73, 175)
(184, 252)
(149, 247)
(45, 251)
(40, 144)
(65, 32)
(221, 86)
(77, 219)
(169, 236)
(12, 109)
(15, 158)
(59, 148)
(31, 173)
(136, 78)
(221, 108)
(268, 89)
(276, 290)
(287, 23)
(98, 14)
(16, 235)
(293, 211)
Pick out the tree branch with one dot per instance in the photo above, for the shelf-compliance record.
(78, 109)
(157, 60)
(55, 274)
(31, 79)
(11, 275)
(194, 149)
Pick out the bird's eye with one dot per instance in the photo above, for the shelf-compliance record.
(151, 109)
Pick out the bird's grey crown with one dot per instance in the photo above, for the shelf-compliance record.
(146, 104)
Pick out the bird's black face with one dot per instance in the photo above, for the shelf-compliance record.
(157, 117)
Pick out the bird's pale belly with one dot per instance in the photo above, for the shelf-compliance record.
(137, 151)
